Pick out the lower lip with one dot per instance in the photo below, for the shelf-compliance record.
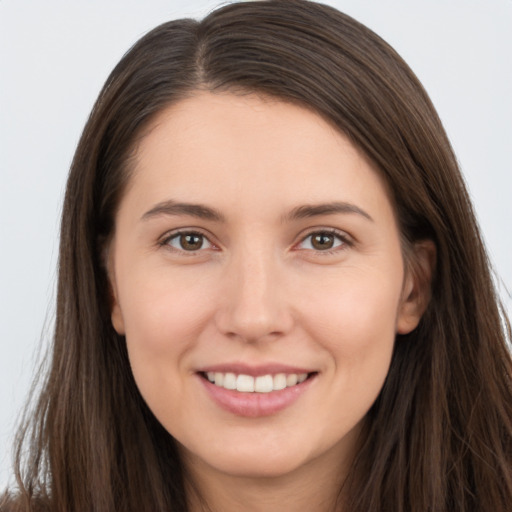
(253, 405)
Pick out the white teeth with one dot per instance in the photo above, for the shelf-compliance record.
(291, 379)
(245, 383)
(280, 381)
(261, 384)
(229, 381)
(264, 384)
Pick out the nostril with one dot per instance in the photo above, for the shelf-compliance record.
(252, 337)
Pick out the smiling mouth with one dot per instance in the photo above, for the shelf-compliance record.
(260, 384)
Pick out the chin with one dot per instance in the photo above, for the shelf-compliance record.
(259, 466)
(247, 461)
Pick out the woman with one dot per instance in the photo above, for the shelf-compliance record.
(272, 290)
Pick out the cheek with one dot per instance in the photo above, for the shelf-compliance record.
(163, 319)
(163, 311)
(354, 320)
(355, 325)
(164, 316)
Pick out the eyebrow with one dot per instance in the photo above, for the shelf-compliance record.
(171, 207)
(201, 211)
(314, 210)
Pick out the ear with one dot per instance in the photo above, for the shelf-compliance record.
(416, 291)
(116, 314)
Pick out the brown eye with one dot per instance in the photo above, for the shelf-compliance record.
(189, 242)
(323, 241)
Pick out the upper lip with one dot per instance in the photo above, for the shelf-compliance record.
(253, 370)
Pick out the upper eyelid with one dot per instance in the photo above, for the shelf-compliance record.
(168, 235)
(163, 241)
(343, 235)
(347, 242)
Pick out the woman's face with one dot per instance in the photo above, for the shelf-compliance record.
(256, 247)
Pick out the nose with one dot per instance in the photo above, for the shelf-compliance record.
(255, 306)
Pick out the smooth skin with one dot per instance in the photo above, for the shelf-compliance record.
(265, 270)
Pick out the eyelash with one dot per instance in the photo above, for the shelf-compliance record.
(165, 242)
(342, 237)
(344, 240)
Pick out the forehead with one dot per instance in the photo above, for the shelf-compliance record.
(249, 149)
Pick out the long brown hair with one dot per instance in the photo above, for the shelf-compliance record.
(439, 436)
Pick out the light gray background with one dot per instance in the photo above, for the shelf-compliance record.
(55, 56)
